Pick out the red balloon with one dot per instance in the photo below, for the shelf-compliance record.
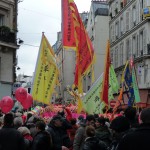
(21, 94)
(28, 102)
(6, 104)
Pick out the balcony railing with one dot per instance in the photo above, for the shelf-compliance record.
(6, 35)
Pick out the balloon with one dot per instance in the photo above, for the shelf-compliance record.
(6, 104)
(21, 94)
(28, 102)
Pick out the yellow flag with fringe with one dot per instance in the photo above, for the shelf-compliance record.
(46, 73)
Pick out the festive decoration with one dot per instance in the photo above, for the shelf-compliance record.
(6, 104)
(28, 102)
(21, 94)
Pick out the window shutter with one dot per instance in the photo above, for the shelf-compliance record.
(127, 20)
(113, 33)
(113, 10)
(144, 42)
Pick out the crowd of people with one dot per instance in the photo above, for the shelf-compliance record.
(26, 131)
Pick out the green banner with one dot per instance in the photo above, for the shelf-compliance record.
(91, 101)
(135, 87)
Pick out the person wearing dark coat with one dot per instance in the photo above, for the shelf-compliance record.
(119, 126)
(42, 140)
(139, 139)
(10, 138)
(58, 129)
(92, 142)
(102, 131)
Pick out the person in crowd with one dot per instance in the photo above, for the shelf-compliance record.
(72, 132)
(80, 133)
(130, 114)
(10, 138)
(80, 120)
(102, 131)
(58, 133)
(27, 137)
(139, 138)
(18, 122)
(91, 141)
(1, 122)
(42, 140)
(119, 126)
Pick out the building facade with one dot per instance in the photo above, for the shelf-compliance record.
(98, 30)
(130, 37)
(8, 45)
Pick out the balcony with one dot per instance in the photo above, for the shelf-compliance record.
(6, 35)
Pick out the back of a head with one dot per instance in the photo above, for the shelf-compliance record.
(73, 121)
(40, 125)
(130, 113)
(120, 124)
(18, 122)
(145, 115)
(90, 131)
(101, 120)
(8, 119)
(90, 117)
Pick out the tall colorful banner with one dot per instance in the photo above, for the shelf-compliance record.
(104, 92)
(129, 85)
(76, 36)
(46, 73)
(92, 102)
(135, 87)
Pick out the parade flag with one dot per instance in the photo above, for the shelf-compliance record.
(91, 101)
(129, 84)
(46, 73)
(104, 92)
(135, 87)
(75, 36)
(113, 82)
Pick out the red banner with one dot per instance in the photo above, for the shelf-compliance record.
(85, 51)
(67, 26)
(104, 93)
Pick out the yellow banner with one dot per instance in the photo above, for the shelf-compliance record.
(46, 74)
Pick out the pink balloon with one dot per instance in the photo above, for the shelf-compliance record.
(21, 94)
(28, 102)
(6, 104)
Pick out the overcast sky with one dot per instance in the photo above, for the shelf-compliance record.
(35, 17)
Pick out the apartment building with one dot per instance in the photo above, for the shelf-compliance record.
(130, 37)
(98, 30)
(8, 45)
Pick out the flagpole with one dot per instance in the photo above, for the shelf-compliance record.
(63, 98)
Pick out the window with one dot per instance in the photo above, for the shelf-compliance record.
(128, 49)
(134, 15)
(134, 54)
(117, 30)
(147, 2)
(121, 25)
(121, 54)
(141, 43)
(111, 53)
(116, 57)
(1, 20)
(113, 33)
(127, 20)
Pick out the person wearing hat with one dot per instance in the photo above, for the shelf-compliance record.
(58, 130)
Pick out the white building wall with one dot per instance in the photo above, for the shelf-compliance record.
(101, 29)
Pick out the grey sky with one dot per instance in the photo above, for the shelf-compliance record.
(35, 17)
